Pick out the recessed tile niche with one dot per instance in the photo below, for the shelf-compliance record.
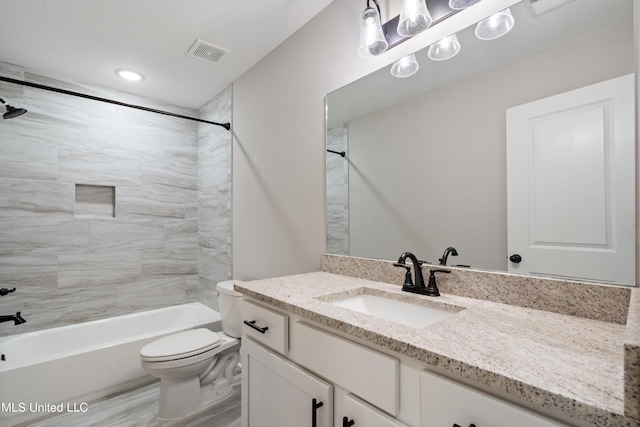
(95, 201)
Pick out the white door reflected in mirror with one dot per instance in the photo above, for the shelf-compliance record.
(565, 155)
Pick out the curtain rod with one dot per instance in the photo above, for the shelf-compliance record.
(227, 126)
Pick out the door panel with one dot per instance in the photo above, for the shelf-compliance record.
(278, 393)
(570, 184)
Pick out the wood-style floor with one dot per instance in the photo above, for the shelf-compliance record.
(138, 408)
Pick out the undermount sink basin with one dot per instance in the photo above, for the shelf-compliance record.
(405, 313)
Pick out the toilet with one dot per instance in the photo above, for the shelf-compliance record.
(196, 367)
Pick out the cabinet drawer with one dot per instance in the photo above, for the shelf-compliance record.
(366, 373)
(265, 326)
(446, 402)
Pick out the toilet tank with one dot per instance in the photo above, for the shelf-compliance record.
(229, 305)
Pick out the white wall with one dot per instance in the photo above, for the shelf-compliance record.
(279, 136)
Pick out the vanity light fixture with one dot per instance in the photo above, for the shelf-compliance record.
(444, 49)
(372, 39)
(414, 18)
(129, 75)
(461, 4)
(497, 25)
(405, 67)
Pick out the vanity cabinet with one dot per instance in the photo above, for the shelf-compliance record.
(315, 373)
(446, 403)
(298, 374)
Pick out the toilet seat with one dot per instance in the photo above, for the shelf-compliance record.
(181, 345)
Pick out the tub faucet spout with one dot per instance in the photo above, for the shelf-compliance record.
(17, 318)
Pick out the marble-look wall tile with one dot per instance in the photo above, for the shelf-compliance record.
(337, 187)
(72, 264)
(43, 236)
(207, 293)
(11, 93)
(45, 130)
(22, 159)
(172, 172)
(214, 197)
(98, 167)
(28, 270)
(181, 233)
(107, 234)
(152, 292)
(45, 308)
(134, 139)
(214, 227)
(31, 198)
(187, 127)
(170, 261)
(213, 265)
(192, 288)
(149, 201)
(98, 269)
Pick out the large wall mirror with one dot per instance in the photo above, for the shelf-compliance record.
(426, 156)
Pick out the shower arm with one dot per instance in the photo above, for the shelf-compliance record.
(227, 126)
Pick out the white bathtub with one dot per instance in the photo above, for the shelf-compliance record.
(66, 368)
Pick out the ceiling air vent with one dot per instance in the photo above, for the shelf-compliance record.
(207, 52)
(540, 7)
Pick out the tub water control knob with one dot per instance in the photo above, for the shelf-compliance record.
(5, 291)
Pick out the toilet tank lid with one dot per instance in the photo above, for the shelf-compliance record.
(226, 287)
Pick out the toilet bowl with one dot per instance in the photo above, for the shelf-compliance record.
(196, 367)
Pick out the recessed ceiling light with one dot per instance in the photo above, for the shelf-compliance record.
(129, 75)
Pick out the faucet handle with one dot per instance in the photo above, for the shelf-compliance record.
(19, 317)
(407, 277)
(432, 287)
(5, 291)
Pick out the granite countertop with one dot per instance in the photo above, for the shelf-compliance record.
(570, 365)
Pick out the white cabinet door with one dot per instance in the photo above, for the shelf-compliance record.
(570, 192)
(353, 412)
(276, 392)
(446, 402)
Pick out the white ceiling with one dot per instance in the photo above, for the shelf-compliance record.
(89, 40)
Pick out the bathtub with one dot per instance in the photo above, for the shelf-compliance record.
(63, 369)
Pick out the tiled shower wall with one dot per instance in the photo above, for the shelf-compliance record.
(214, 196)
(98, 205)
(338, 191)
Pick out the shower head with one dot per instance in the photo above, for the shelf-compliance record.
(12, 111)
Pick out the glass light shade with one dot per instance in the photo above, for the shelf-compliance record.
(461, 4)
(414, 18)
(405, 67)
(372, 39)
(446, 48)
(495, 26)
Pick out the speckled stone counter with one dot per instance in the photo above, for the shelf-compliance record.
(566, 364)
